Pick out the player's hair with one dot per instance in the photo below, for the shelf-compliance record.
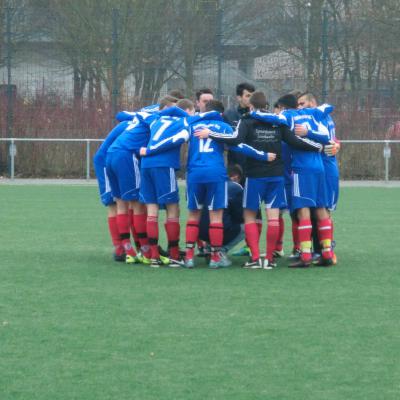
(308, 95)
(176, 93)
(276, 105)
(235, 169)
(185, 104)
(287, 101)
(296, 93)
(168, 101)
(241, 87)
(203, 91)
(215, 105)
(259, 101)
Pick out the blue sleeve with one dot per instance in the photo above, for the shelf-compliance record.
(249, 151)
(317, 137)
(110, 138)
(125, 116)
(168, 143)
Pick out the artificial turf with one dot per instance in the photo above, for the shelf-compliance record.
(76, 325)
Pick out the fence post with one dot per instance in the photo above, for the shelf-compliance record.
(87, 159)
(386, 155)
(12, 158)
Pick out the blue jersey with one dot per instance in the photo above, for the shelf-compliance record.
(312, 118)
(135, 135)
(170, 127)
(206, 156)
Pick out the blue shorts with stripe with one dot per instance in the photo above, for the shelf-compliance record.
(103, 182)
(309, 190)
(270, 190)
(158, 186)
(124, 174)
(213, 195)
(332, 191)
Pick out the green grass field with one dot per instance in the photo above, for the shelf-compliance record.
(76, 325)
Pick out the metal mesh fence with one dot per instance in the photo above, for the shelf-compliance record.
(67, 67)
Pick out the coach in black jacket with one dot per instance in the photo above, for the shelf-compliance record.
(233, 115)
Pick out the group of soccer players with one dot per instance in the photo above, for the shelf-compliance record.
(287, 158)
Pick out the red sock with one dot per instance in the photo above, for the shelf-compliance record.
(324, 236)
(272, 237)
(133, 230)
(216, 233)
(192, 234)
(152, 234)
(140, 228)
(295, 235)
(305, 229)
(279, 242)
(114, 233)
(259, 227)
(252, 238)
(173, 230)
(123, 228)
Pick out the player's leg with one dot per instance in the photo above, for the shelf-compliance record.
(216, 234)
(172, 229)
(253, 191)
(216, 201)
(325, 236)
(324, 222)
(107, 199)
(139, 222)
(119, 253)
(195, 195)
(304, 197)
(118, 165)
(274, 199)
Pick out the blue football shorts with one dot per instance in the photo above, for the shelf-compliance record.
(270, 190)
(158, 186)
(123, 171)
(103, 182)
(213, 195)
(309, 190)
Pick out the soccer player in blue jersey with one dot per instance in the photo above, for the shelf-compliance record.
(159, 184)
(123, 168)
(309, 188)
(99, 161)
(206, 183)
(264, 182)
(308, 100)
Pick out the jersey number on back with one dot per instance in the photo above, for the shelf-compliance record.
(164, 125)
(205, 146)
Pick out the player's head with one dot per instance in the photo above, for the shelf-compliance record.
(258, 101)
(243, 93)
(186, 105)
(215, 105)
(176, 93)
(202, 97)
(306, 100)
(288, 101)
(235, 173)
(277, 109)
(167, 101)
